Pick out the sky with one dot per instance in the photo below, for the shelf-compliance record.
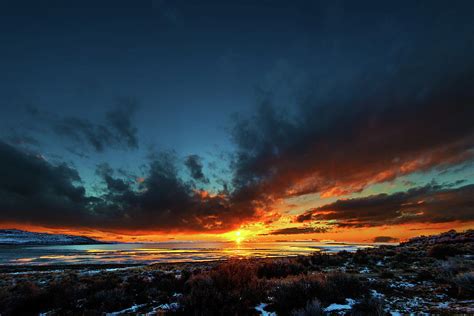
(249, 120)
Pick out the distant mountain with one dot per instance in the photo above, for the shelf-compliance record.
(21, 237)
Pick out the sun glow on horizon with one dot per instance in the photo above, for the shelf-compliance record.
(254, 232)
(238, 236)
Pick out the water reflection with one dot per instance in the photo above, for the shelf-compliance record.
(161, 252)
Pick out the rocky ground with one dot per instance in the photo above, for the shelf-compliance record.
(432, 274)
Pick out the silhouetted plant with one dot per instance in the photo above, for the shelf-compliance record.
(443, 251)
(312, 308)
(368, 306)
(465, 284)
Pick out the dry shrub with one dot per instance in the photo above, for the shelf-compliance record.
(294, 292)
(369, 306)
(361, 257)
(386, 274)
(312, 308)
(24, 298)
(443, 251)
(279, 268)
(465, 284)
(325, 259)
(231, 288)
(344, 286)
(446, 270)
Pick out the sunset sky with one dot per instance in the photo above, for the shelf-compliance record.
(237, 120)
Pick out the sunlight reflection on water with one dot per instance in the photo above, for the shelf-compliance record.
(161, 252)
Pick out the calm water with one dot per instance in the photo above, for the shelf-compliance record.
(160, 252)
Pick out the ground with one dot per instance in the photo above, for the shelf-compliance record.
(431, 275)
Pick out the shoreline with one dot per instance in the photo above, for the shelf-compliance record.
(73, 266)
(139, 254)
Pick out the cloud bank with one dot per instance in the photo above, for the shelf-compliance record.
(429, 204)
(53, 195)
(117, 131)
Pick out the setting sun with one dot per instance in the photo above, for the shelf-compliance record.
(238, 236)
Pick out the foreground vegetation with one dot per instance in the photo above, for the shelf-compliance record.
(434, 274)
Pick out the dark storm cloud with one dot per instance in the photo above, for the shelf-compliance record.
(429, 204)
(194, 165)
(117, 131)
(385, 239)
(83, 131)
(299, 230)
(378, 104)
(32, 190)
(163, 201)
(113, 184)
(386, 123)
(119, 119)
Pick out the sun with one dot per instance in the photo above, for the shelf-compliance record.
(238, 237)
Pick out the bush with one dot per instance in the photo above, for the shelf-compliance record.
(386, 274)
(340, 286)
(361, 257)
(424, 275)
(403, 257)
(326, 259)
(446, 270)
(201, 295)
(368, 306)
(109, 300)
(293, 293)
(24, 298)
(312, 308)
(279, 268)
(442, 251)
(231, 288)
(465, 284)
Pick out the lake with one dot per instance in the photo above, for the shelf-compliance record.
(147, 253)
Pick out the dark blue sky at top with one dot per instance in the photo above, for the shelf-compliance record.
(191, 65)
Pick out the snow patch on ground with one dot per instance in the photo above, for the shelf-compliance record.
(261, 308)
(132, 309)
(404, 285)
(166, 307)
(92, 272)
(337, 307)
(376, 294)
(34, 272)
(364, 270)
